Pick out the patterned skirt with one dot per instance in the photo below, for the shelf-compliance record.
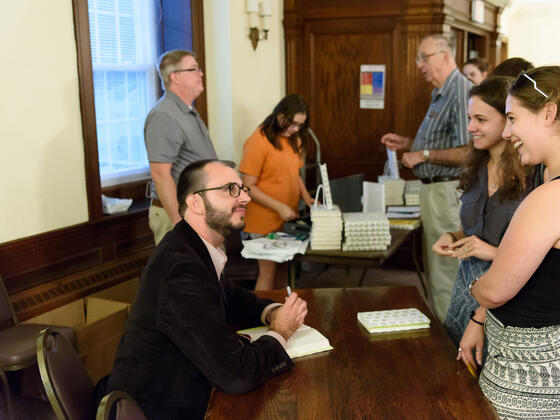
(521, 376)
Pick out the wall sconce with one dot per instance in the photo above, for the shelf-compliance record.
(256, 8)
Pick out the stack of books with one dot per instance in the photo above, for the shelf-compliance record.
(403, 217)
(404, 224)
(393, 320)
(394, 191)
(412, 192)
(366, 232)
(326, 227)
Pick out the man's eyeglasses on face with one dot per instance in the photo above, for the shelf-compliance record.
(523, 74)
(194, 69)
(425, 57)
(233, 188)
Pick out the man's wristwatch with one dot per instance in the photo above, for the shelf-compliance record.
(426, 155)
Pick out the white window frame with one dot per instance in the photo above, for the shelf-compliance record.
(146, 62)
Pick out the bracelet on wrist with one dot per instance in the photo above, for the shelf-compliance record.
(471, 285)
(453, 236)
(474, 320)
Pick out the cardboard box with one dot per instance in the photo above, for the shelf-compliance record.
(99, 325)
(124, 292)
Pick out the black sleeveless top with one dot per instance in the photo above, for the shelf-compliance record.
(537, 304)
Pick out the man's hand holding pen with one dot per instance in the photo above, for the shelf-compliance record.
(289, 317)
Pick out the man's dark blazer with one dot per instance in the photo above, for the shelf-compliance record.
(179, 342)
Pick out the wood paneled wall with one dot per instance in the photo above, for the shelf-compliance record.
(328, 40)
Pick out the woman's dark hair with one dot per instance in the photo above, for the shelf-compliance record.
(479, 63)
(282, 117)
(512, 67)
(494, 92)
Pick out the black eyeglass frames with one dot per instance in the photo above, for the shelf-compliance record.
(233, 188)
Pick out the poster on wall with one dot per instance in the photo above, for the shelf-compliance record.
(372, 86)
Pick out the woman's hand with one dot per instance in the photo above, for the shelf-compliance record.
(472, 246)
(441, 247)
(472, 341)
(310, 201)
(286, 212)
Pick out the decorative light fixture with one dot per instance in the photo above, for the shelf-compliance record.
(256, 8)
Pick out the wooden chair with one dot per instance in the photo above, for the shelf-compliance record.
(69, 388)
(17, 350)
(118, 405)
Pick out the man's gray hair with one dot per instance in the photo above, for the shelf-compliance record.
(443, 43)
(169, 62)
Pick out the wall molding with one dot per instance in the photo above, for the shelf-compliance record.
(80, 259)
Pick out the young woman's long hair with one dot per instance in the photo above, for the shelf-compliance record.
(282, 117)
(514, 175)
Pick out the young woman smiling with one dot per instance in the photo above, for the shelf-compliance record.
(493, 183)
(521, 376)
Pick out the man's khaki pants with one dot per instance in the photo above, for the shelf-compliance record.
(159, 221)
(439, 208)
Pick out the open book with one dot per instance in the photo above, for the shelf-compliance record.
(393, 320)
(304, 341)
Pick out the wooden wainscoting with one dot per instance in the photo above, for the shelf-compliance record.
(45, 271)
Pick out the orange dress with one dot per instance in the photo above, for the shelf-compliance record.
(278, 173)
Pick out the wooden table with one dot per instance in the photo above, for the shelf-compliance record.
(361, 258)
(404, 375)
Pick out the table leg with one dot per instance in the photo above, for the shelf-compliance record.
(362, 276)
(292, 274)
(417, 264)
(348, 275)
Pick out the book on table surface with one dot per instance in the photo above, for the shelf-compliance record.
(393, 320)
(405, 224)
(404, 209)
(306, 340)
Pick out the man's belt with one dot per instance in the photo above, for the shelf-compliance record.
(156, 202)
(438, 179)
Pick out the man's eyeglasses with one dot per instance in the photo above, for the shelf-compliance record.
(424, 57)
(519, 79)
(233, 188)
(194, 69)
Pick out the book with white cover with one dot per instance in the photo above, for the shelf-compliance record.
(393, 320)
(306, 340)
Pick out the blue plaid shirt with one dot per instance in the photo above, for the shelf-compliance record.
(445, 124)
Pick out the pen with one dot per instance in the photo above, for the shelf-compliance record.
(289, 290)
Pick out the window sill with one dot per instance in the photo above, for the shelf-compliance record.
(137, 206)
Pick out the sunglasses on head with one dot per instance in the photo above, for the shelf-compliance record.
(522, 76)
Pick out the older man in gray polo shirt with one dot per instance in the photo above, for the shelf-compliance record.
(436, 154)
(175, 136)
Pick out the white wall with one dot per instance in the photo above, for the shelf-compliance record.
(243, 85)
(532, 29)
(41, 146)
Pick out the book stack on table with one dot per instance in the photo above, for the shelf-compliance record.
(326, 227)
(403, 217)
(394, 190)
(366, 232)
(412, 192)
(393, 320)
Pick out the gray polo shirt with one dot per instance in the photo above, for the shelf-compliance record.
(175, 133)
(445, 124)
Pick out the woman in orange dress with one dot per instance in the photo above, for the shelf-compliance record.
(272, 158)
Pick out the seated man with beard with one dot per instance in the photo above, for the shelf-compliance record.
(179, 340)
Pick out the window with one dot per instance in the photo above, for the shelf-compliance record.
(123, 39)
(179, 24)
